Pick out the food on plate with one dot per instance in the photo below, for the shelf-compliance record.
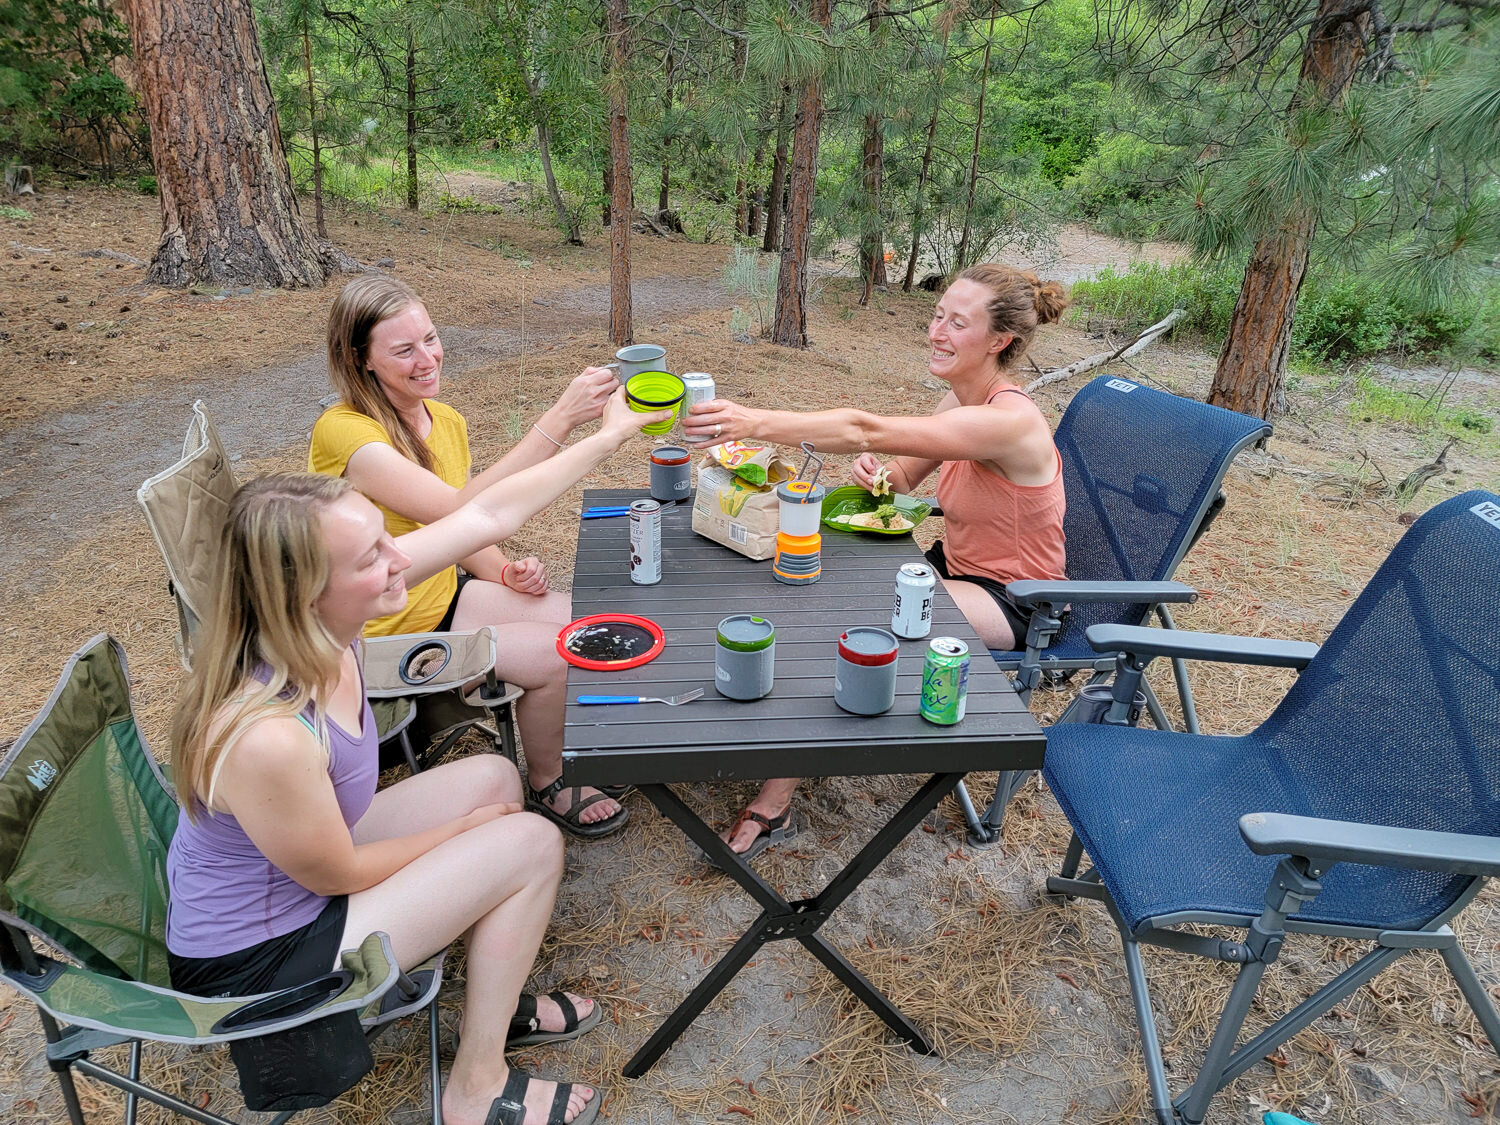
(878, 520)
(880, 485)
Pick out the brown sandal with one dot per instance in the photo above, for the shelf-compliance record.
(777, 830)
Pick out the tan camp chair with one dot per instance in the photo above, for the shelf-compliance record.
(415, 681)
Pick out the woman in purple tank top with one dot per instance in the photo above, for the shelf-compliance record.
(285, 854)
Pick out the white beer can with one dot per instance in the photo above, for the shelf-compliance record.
(700, 388)
(912, 615)
(645, 542)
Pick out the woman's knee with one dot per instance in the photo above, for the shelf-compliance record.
(541, 844)
(497, 777)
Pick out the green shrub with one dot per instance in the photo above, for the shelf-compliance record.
(1339, 317)
(1148, 291)
(146, 185)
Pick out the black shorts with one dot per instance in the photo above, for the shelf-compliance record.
(1017, 618)
(446, 623)
(268, 966)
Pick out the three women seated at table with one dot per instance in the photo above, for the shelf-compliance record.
(285, 854)
(393, 440)
(1000, 479)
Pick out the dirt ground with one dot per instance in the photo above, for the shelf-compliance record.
(1027, 1000)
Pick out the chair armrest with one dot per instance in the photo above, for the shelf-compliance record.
(1141, 641)
(117, 1008)
(1034, 591)
(456, 659)
(1344, 841)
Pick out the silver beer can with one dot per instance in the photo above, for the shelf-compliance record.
(912, 615)
(700, 388)
(645, 542)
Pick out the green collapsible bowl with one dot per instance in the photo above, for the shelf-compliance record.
(649, 391)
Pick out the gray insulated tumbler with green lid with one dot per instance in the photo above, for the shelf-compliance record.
(745, 657)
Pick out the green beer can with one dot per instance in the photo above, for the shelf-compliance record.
(945, 681)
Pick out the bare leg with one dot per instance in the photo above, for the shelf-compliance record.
(445, 793)
(983, 615)
(528, 657)
(497, 883)
(774, 798)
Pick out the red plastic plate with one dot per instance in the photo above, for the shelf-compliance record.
(610, 642)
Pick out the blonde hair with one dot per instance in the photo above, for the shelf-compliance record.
(359, 307)
(274, 566)
(1019, 301)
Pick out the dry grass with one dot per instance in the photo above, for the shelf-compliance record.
(1026, 1000)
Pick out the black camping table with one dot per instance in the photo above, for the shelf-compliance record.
(796, 731)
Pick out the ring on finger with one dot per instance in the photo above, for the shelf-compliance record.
(718, 429)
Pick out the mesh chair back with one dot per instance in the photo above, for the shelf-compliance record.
(85, 820)
(1397, 719)
(186, 506)
(1140, 469)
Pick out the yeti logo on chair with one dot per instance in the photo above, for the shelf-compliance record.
(1488, 511)
(1120, 385)
(41, 774)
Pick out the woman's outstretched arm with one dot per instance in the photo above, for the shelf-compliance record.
(499, 511)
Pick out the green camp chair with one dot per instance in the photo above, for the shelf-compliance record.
(415, 681)
(85, 820)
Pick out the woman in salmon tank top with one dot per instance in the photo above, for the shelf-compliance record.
(999, 472)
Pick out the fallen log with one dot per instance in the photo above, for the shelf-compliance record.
(1130, 348)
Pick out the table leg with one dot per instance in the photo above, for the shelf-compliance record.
(781, 919)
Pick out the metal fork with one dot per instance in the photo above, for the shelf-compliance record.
(670, 700)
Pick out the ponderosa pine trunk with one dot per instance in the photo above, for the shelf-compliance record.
(961, 256)
(412, 199)
(312, 128)
(229, 216)
(1251, 373)
(664, 193)
(872, 176)
(622, 205)
(544, 149)
(919, 206)
(777, 189)
(789, 328)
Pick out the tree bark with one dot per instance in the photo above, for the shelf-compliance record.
(229, 216)
(663, 197)
(872, 175)
(777, 190)
(411, 121)
(961, 257)
(621, 329)
(1251, 373)
(312, 128)
(789, 327)
(920, 204)
(565, 221)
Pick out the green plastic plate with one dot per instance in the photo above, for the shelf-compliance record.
(851, 500)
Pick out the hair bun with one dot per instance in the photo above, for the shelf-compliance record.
(1051, 300)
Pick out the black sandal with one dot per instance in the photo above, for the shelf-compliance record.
(536, 801)
(510, 1107)
(525, 1028)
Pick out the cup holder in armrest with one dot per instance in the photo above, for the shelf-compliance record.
(285, 1004)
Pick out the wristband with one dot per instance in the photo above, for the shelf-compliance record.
(503, 569)
(548, 436)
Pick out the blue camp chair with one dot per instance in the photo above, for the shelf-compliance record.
(1367, 807)
(1142, 471)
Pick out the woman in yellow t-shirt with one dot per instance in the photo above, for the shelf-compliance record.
(409, 453)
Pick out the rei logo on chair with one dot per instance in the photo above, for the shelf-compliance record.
(41, 774)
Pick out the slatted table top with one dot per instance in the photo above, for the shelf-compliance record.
(797, 730)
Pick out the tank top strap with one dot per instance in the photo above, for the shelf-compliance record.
(1008, 391)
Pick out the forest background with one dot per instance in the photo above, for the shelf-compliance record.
(1354, 141)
